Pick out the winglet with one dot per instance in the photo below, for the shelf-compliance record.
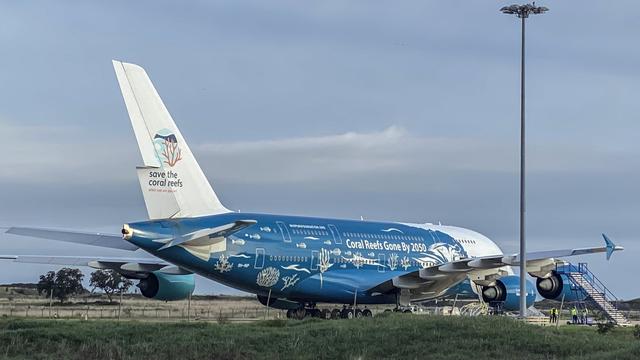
(611, 247)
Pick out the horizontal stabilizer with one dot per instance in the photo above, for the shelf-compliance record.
(210, 235)
(87, 238)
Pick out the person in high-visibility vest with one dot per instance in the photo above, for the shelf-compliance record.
(552, 314)
(555, 315)
(584, 315)
(574, 315)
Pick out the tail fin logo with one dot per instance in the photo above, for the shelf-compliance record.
(167, 149)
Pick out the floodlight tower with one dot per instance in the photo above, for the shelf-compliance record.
(523, 12)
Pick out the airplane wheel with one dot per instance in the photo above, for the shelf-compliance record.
(290, 314)
(407, 311)
(367, 313)
(347, 314)
(358, 313)
(315, 313)
(300, 314)
(387, 310)
(325, 314)
(335, 314)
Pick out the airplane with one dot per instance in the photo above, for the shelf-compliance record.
(289, 262)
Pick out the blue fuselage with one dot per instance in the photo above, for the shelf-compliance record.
(307, 259)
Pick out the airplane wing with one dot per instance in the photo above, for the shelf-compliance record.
(437, 278)
(129, 267)
(87, 238)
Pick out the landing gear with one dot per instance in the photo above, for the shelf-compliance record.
(358, 314)
(326, 314)
(300, 313)
(347, 312)
(335, 314)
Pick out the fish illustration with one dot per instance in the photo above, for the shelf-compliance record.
(348, 253)
(243, 265)
(296, 267)
(254, 236)
(372, 254)
(170, 138)
(327, 242)
(238, 242)
(336, 252)
(265, 229)
(301, 245)
(343, 266)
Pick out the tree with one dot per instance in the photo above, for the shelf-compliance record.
(65, 283)
(109, 282)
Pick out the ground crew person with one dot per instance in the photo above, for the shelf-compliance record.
(552, 314)
(574, 315)
(584, 315)
(555, 315)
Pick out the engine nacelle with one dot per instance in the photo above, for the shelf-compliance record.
(167, 287)
(507, 291)
(278, 303)
(558, 285)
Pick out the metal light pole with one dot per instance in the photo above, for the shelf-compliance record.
(523, 11)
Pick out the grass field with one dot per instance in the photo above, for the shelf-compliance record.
(384, 337)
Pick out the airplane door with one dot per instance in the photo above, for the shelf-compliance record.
(314, 259)
(259, 258)
(381, 262)
(286, 237)
(335, 234)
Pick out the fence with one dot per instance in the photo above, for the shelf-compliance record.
(146, 313)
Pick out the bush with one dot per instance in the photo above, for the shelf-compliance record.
(604, 328)
(636, 332)
(222, 318)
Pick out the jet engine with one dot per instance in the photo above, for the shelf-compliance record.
(506, 290)
(556, 286)
(167, 287)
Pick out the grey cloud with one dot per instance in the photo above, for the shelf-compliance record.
(403, 112)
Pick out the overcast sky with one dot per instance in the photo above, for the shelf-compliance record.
(393, 110)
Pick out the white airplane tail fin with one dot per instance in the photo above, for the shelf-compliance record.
(173, 185)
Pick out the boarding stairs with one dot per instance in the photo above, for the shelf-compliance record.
(583, 280)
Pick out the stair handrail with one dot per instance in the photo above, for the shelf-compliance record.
(590, 278)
